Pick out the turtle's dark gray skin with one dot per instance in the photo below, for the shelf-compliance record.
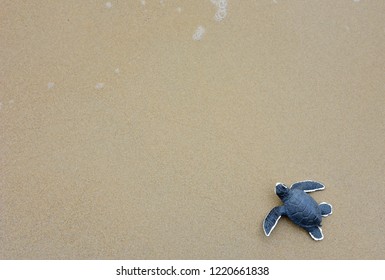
(299, 207)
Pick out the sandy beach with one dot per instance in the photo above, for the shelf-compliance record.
(158, 129)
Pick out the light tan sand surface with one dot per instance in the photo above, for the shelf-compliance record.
(158, 129)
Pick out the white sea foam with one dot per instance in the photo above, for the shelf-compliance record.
(199, 32)
(221, 9)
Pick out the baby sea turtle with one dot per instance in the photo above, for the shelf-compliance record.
(299, 207)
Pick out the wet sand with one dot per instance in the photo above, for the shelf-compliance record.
(156, 130)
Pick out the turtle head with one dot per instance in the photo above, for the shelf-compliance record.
(281, 190)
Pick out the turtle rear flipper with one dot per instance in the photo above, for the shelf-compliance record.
(316, 233)
(326, 209)
(308, 186)
(272, 219)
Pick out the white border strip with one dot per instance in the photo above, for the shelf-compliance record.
(279, 269)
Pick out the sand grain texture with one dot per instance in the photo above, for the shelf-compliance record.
(176, 154)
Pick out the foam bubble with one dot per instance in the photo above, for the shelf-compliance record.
(220, 14)
(199, 32)
(50, 85)
(222, 4)
(99, 85)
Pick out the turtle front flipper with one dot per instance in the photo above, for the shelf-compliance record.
(326, 209)
(308, 186)
(316, 233)
(272, 219)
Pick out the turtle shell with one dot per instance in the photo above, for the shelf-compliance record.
(302, 209)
